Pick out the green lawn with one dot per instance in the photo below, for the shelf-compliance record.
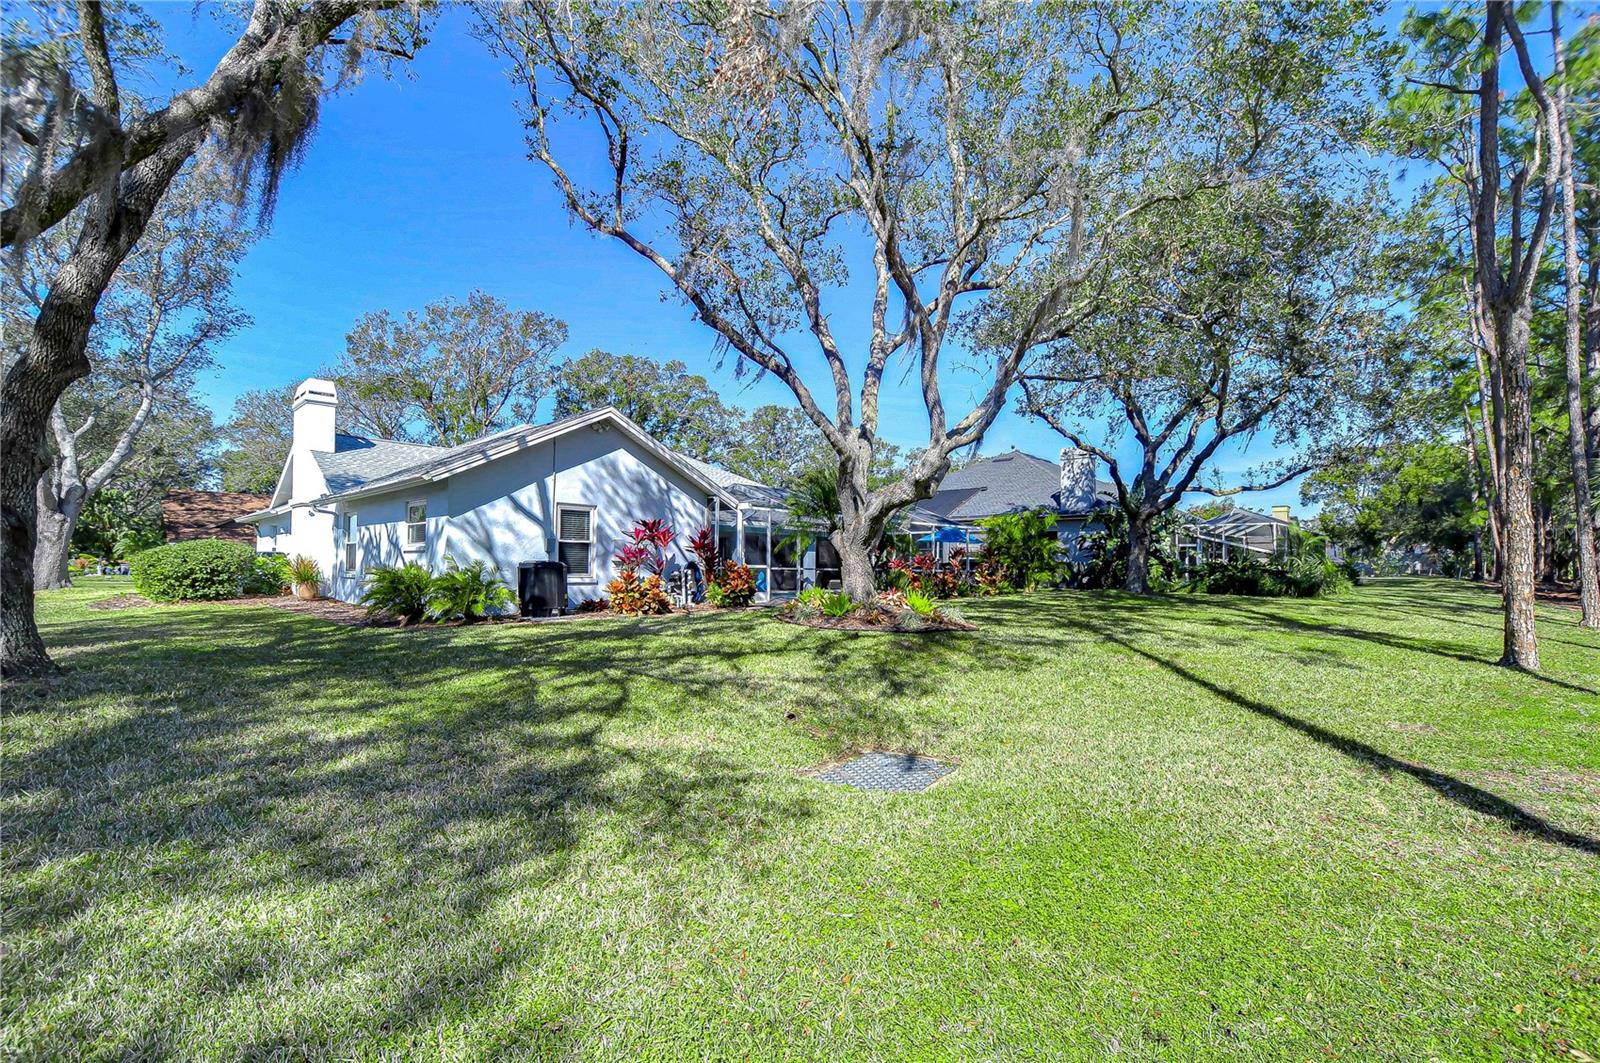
(1180, 829)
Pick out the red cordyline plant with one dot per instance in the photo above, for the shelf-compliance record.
(704, 548)
(648, 549)
(630, 557)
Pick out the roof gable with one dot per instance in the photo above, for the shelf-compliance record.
(439, 463)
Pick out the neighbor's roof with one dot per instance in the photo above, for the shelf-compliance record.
(207, 514)
(1006, 483)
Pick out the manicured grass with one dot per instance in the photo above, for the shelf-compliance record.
(1183, 828)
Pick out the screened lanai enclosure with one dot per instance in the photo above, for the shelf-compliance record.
(787, 554)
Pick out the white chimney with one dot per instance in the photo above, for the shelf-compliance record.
(314, 404)
(1077, 480)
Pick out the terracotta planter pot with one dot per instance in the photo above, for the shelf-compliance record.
(307, 591)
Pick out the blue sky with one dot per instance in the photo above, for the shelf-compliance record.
(418, 186)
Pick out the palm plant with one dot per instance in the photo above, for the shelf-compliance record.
(402, 591)
(468, 592)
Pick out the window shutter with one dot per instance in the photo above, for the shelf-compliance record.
(575, 525)
(576, 557)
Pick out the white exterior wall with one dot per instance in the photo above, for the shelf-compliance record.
(503, 512)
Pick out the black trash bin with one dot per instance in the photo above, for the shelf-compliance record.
(542, 588)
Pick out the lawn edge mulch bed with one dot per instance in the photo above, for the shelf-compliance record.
(846, 623)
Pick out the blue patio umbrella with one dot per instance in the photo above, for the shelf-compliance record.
(948, 535)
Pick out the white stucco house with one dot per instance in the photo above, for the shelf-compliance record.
(570, 490)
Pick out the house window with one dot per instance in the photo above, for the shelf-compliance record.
(350, 542)
(416, 525)
(575, 539)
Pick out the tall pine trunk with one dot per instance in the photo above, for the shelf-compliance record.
(1577, 444)
(1518, 535)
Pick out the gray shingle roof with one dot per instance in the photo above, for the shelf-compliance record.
(1006, 483)
(357, 460)
(746, 490)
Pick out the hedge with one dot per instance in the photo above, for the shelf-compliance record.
(193, 570)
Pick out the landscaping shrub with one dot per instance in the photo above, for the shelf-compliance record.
(193, 570)
(704, 548)
(1105, 553)
(926, 573)
(1307, 576)
(920, 603)
(716, 597)
(737, 583)
(990, 575)
(83, 562)
(269, 575)
(403, 591)
(837, 603)
(467, 593)
(812, 596)
(636, 595)
(1025, 545)
(593, 605)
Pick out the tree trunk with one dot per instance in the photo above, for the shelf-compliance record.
(1577, 444)
(54, 358)
(1479, 493)
(861, 525)
(1137, 580)
(1517, 534)
(58, 519)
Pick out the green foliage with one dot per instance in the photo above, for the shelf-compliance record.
(921, 604)
(716, 597)
(813, 596)
(678, 408)
(1025, 545)
(815, 495)
(1408, 496)
(837, 603)
(258, 435)
(449, 373)
(114, 526)
(468, 593)
(1105, 552)
(304, 571)
(736, 584)
(193, 570)
(636, 595)
(403, 591)
(270, 574)
(1305, 576)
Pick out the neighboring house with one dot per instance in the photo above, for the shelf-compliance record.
(208, 515)
(570, 490)
(1015, 482)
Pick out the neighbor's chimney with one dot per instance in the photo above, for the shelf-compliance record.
(1077, 480)
(314, 404)
(1281, 513)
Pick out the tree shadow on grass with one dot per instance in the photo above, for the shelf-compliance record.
(1463, 793)
(427, 774)
(1263, 617)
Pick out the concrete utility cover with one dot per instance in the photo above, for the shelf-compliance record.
(898, 772)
